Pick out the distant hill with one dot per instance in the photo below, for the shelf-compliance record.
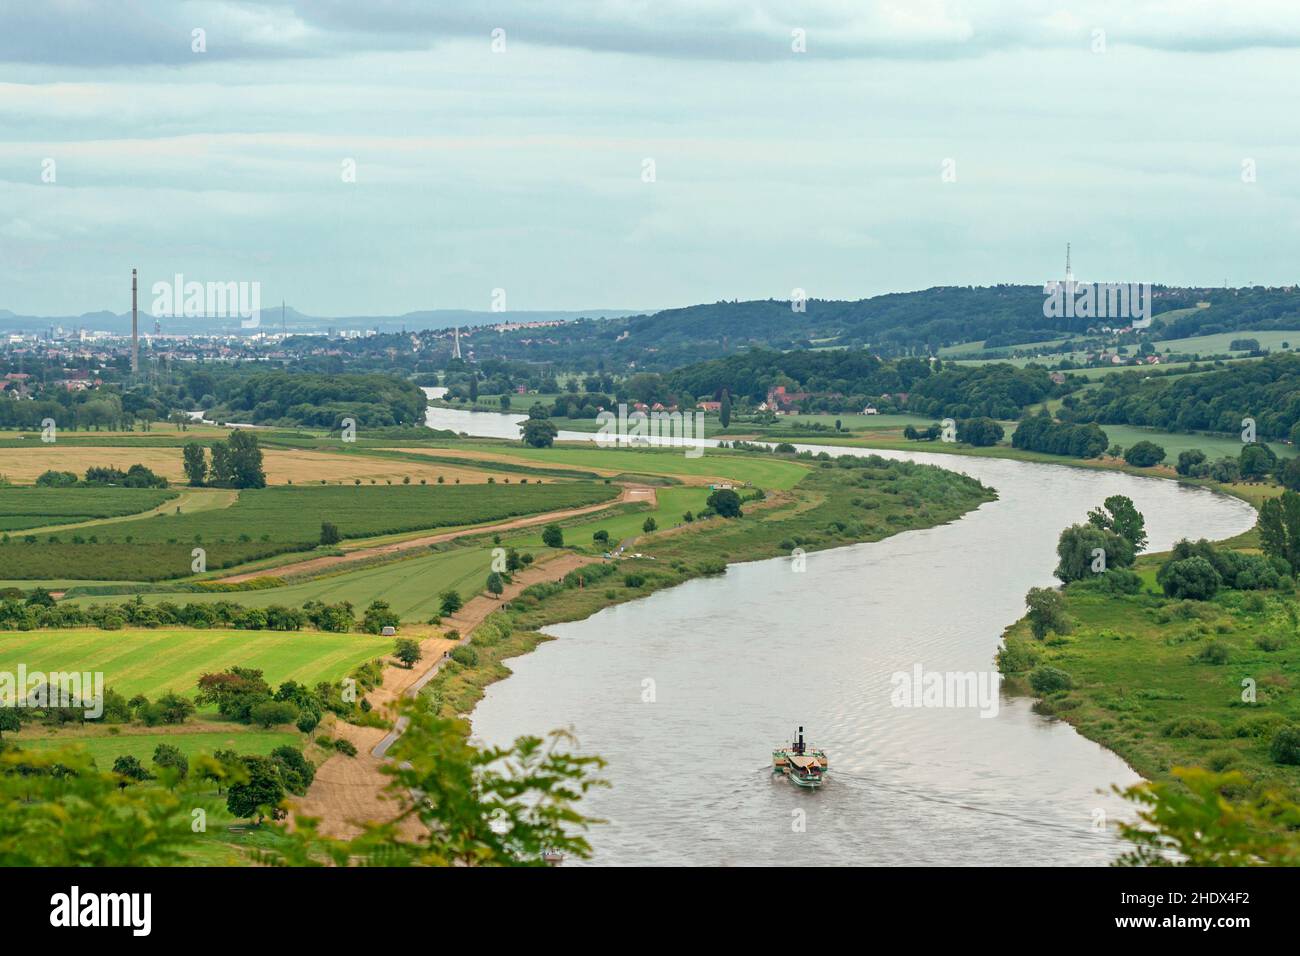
(906, 323)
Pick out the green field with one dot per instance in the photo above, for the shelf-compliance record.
(105, 748)
(1138, 675)
(1218, 343)
(271, 521)
(1215, 446)
(29, 507)
(763, 471)
(411, 586)
(151, 662)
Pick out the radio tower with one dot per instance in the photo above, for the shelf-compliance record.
(455, 351)
(135, 331)
(1069, 273)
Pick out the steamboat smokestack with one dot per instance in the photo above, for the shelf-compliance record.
(135, 330)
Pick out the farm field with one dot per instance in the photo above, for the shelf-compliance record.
(269, 521)
(763, 471)
(151, 662)
(1275, 339)
(23, 508)
(282, 466)
(1215, 446)
(411, 586)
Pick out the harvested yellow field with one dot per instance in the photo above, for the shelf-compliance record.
(23, 465)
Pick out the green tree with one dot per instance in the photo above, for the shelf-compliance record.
(329, 533)
(724, 411)
(408, 652)
(1118, 514)
(649, 525)
(1256, 461)
(1279, 528)
(450, 602)
(725, 503)
(130, 769)
(980, 432)
(1200, 819)
(245, 460)
(553, 536)
(195, 464)
(495, 584)
(169, 760)
(1077, 549)
(260, 793)
(379, 615)
(1047, 612)
(1191, 578)
(539, 432)
(1289, 474)
(601, 537)
(9, 720)
(1144, 454)
(1189, 461)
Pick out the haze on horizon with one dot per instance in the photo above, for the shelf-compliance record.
(523, 168)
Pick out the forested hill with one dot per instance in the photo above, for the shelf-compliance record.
(908, 323)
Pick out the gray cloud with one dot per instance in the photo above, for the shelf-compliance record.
(91, 34)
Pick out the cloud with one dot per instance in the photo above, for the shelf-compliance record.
(92, 34)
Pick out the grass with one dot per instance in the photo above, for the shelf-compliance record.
(1140, 683)
(271, 521)
(107, 747)
(24, 508)
(1215, 446)
(763, 471)
(1219, 343)
(150, 662)
(411, 586)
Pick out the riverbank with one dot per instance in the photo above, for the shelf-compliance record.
(1167, 683)
(839, 503)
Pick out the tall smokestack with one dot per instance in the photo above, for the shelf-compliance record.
(135, 330)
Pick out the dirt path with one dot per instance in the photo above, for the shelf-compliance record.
(630, 493)
(350, 790)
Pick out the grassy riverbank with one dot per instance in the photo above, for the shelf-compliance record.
(1168, 683)
(837, 503)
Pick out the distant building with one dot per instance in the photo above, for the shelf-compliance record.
(871, 410)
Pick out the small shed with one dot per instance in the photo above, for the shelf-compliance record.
(389, 631)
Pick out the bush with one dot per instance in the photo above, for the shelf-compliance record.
(1269, 643)
(633, 580)
(345, 747)
(1191, 578)
(553, 536)
(1048, 680)
(1144, 454)
(465, 655)
(1192, 727)
(270, 713)
(1285, 747)
(1213, 653)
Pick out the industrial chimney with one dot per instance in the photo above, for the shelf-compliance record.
(135, 330)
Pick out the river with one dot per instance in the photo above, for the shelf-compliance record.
(686, 692)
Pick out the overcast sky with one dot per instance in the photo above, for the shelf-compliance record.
(1121, 127)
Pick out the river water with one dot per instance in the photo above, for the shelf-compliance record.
(686, 692)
